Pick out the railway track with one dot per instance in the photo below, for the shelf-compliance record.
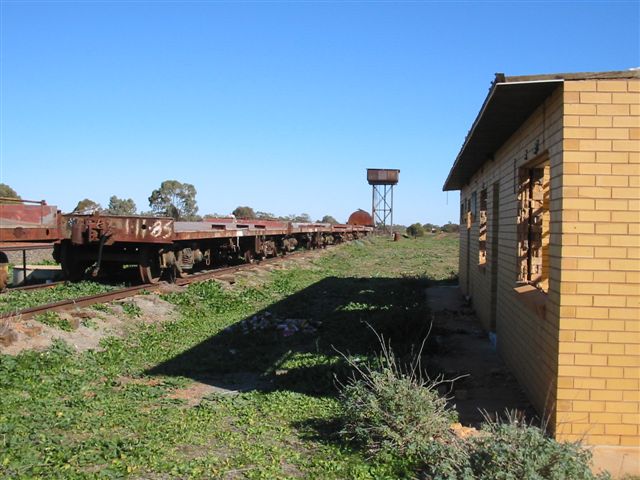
(119, 294)
(37, 286)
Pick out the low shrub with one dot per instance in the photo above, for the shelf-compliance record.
(384, 411)
(391, 409)
(415, 230)
(516, 450)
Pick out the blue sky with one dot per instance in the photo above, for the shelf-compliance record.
(277, 105)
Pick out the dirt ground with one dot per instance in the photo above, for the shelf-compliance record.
(90, 325)
(466, 351)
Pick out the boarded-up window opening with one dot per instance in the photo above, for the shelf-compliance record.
(482, 229)
(533, 226)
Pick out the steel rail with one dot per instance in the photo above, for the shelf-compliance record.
(119, 294)
(35, 286)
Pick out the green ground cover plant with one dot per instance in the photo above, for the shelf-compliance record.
(53, 320)
(153, 404)
(13, 301)
(131, 309)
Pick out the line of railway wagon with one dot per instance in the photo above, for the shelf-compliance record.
(159, 247)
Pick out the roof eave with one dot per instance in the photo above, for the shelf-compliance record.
(453, 181)
(457, 178)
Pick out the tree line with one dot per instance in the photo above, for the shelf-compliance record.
(419, 229)
(249, 213)
(172, 199)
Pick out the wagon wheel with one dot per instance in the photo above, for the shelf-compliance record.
(174, 268)
(149, 266)
(177, 267)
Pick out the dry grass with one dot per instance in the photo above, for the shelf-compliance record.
(7, 334)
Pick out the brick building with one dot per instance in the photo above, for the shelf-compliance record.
(549, 177)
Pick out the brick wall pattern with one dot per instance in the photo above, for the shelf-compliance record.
(576, 349)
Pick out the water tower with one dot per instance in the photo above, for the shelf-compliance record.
(382, 180)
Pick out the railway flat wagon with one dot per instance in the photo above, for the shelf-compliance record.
(25, 225)
(161, 246)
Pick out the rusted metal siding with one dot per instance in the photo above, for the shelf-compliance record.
(24, 223)
(360, 217)
(91, 229)
(86, 229)
(382, 176)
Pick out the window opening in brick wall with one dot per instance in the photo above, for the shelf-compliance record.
(467, 212)
(533, 226)
(482, 229)
(474, 205)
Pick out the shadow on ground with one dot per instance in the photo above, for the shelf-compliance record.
(334, 316)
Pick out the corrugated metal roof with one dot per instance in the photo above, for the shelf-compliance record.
(511, 100)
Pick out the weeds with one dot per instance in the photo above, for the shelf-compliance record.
(395, 409)
(389, 407)
(514, 449)
(13, 301)
(131, 309)
(102, 307)
(120, 411)
(54, 320)
(7, 335)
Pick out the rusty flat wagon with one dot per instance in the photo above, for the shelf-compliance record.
(162, 246)
(26, 225)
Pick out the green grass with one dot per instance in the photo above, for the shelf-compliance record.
(13, 301)
(53, 320)
(131, 309)
(118, 412)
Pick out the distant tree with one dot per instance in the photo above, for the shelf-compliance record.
(121, 206)
(451, 228)
(7, 192)
(415, 230)
(243, 212)
(302, 218)
(174, 199)
(328, 219)
(87, 207)
(209, 216)
(265, 216)
(430, 227)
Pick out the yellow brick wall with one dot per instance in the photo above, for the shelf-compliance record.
(527, 342)
(599, 353)
(578, 360)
